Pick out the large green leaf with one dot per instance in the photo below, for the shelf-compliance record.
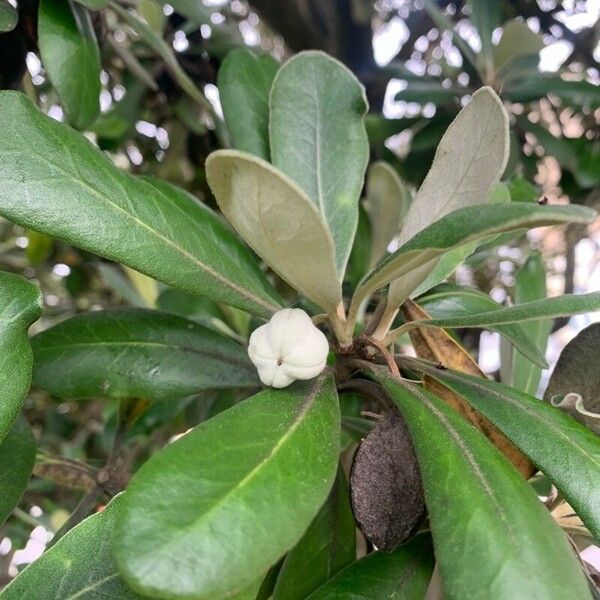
(53, 180)
(547, 308)
(566, 451)
(278, 220)
(8, 16)
(463, 226)
(486, 17)
(71, 57)
(328, 546)
(451, 301)
(80, 565)
(469, 159)
(244, 84)
(574, 383)
(386, 204)
(17, 455)
(572, 92)
(530, 285)
(318, 139)
(246, 486)
(400, 575)
(136, 353)
(20, 306)
(479, 506)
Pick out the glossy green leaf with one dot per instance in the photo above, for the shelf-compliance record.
(530, 285)
(400, 575)
(386, 204)
(566, 451)
(278, 220)
(463, 226)
(80, 565)
(17, 455)
(469, 159)
(8, 16)
(20, 306)
(71, 57)
(478, 506)
(547, 308)
(449, 301)
(328, 545)
(318, 139)
(517, 40)
(136, 353)
(247, 485)
(574, 383)
(244, 84)
(53, 180)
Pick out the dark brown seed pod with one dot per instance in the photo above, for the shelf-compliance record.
(385, 484)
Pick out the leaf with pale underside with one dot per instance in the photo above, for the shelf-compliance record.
(386, 204)
(469, 159)
(478, 506)
(278, 221)
(54, 181)
(209, 512)
(20, 306)
(318, 139)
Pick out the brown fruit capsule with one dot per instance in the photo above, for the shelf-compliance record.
(385, 484)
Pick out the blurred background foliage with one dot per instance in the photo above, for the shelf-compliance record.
(159, 115)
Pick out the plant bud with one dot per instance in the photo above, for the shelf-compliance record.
(287, 348)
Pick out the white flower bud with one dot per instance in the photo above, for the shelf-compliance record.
(287, 348)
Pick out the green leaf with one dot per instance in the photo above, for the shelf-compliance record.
(478, 506)
(571, 92)
(486, 17)
(469, 159)
(328, 546)
(453, 301)
(463, 226)
(279, 221)
(566, 451)
(360, 256)
(575, 380)
(386, 204)
(8, 16)
(20, 306)
(429, 90)
(48, 173)
(244, 84)
(517, 40)
(247, 485)
(71, 57)
(450, 261)
(136, 353)
(192, 10)
(400, 575)
(530, 285)
(547, 308)
(80, 565)
(17, 455)
(94, 4)
(318, 139)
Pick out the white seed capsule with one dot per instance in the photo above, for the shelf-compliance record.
(287, 348)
